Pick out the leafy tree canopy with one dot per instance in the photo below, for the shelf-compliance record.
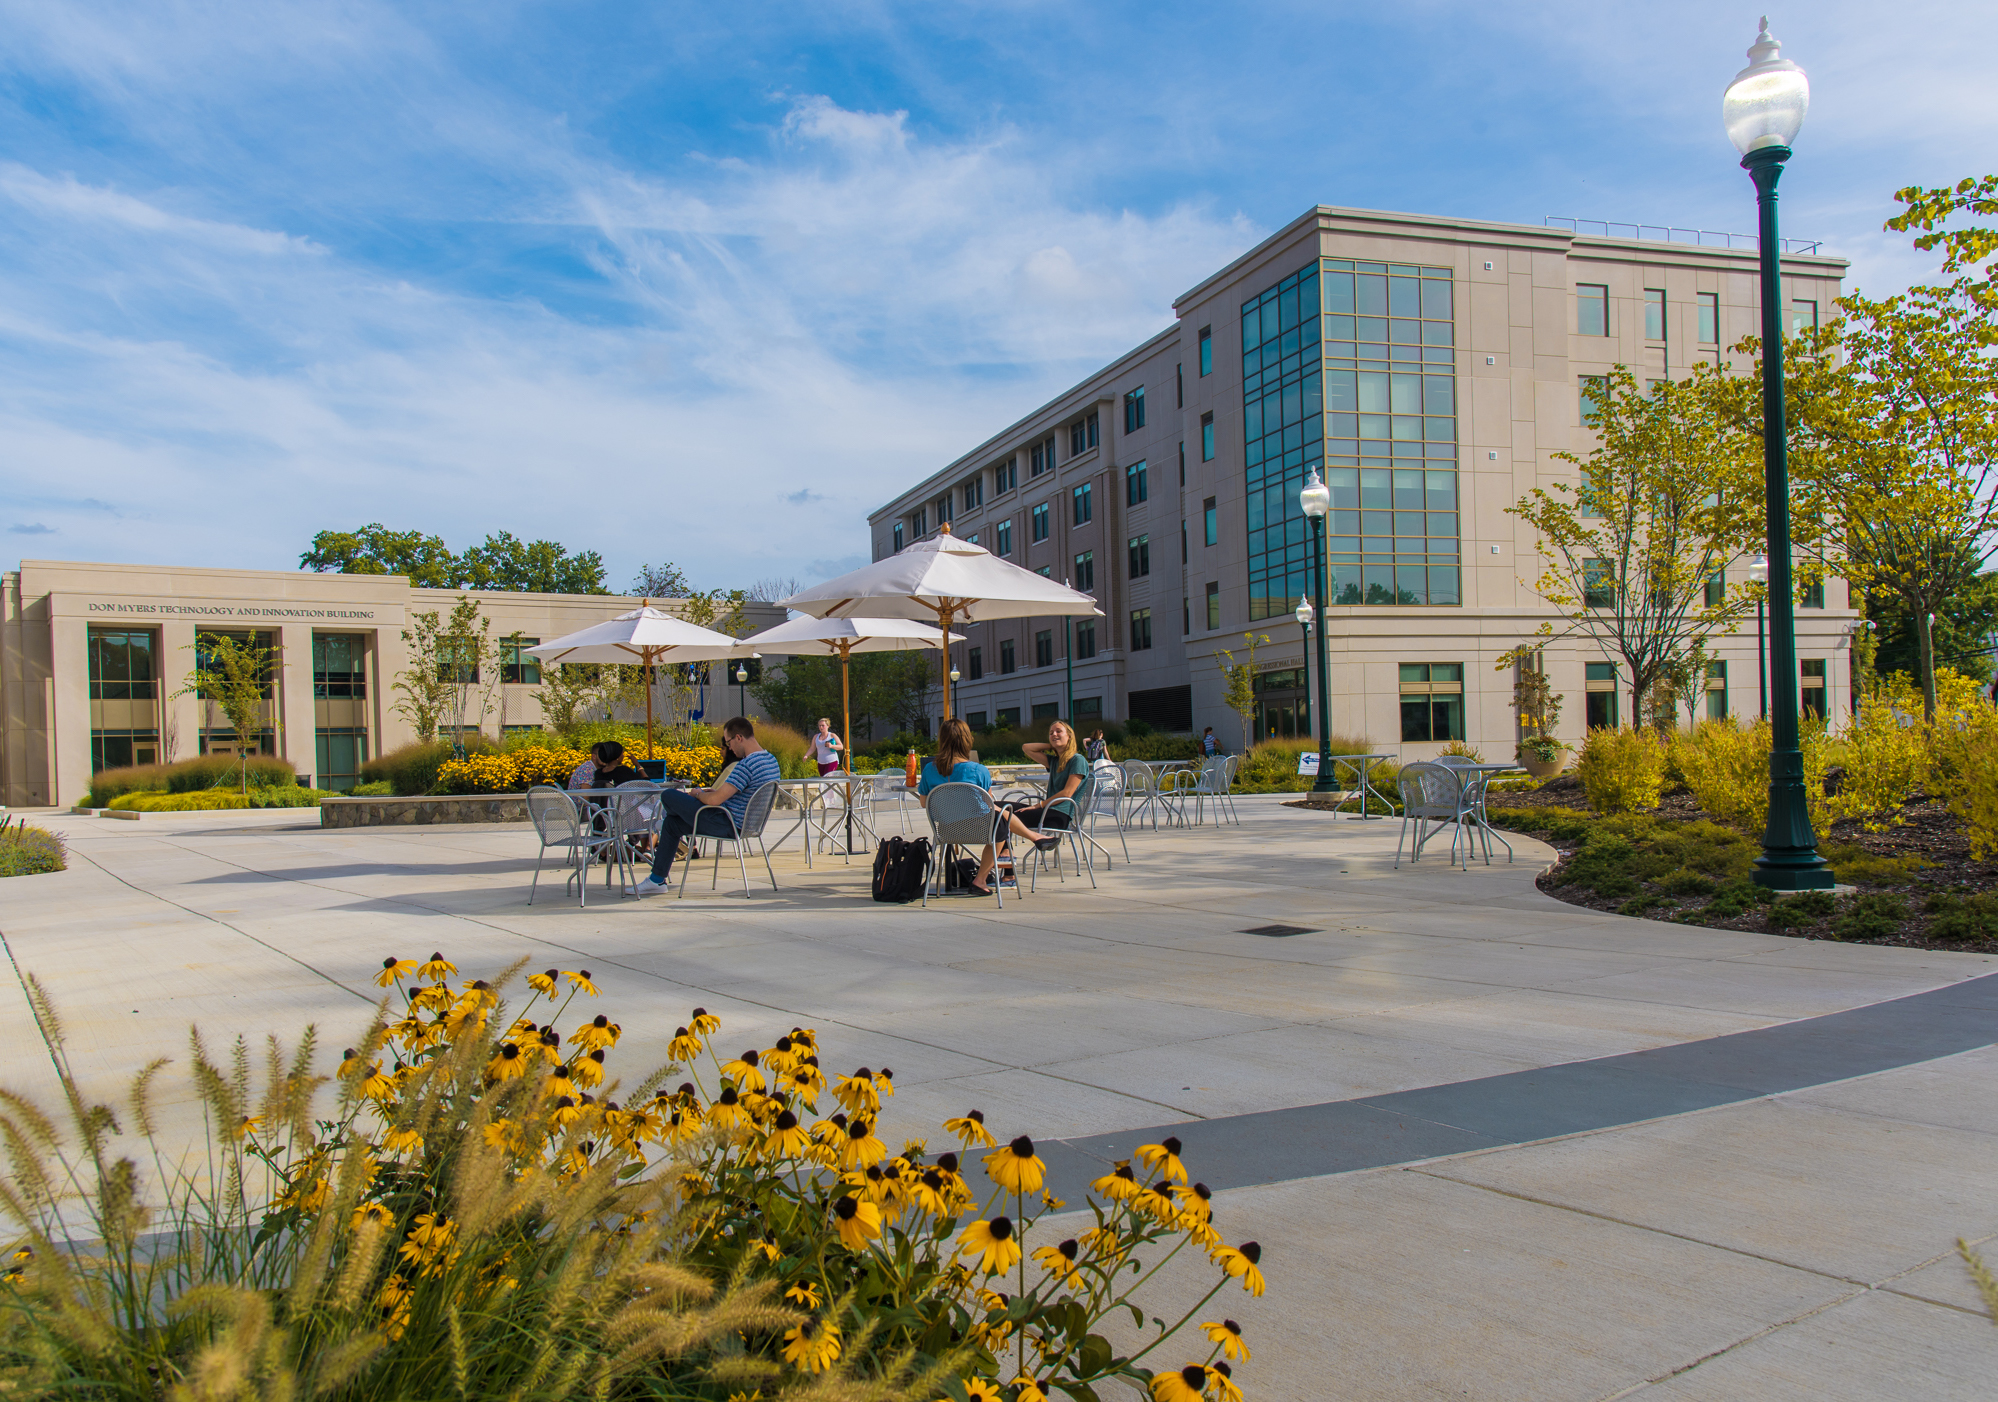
(501, 562)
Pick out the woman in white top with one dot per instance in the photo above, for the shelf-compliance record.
(826, 746)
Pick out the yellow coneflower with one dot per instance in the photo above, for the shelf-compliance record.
(17, 1266)
(704, 1023)
(1163, 1159)
(768, 1246)
(1242, 1263)
(997, 1247)
(588, 1070)
(1228, 1334)
(1030, 1390)
(401, 1141)
(506, 1064)
(1221, 1383)
(373, 1212)
(1016, 1168)
(566, 1112)
(559, 1083)
(726, 1112)
(248, 1125)
(970, 1129)
(545, 982)
(1196, 1203)
(812, 1346)
(1103, 1244)
(394, 970)
(593, 1034)
(435, 997)
(979, 1390)
(1060, 1261)
(1120, 1185)
(808, 1083)
(804, 1293)
(1156, 1203)
(497, 1134)
(781, 1058)
(1203, 1234)
(884, 1081)
(742, 1070)
(581, 978)
(549, 1044)
(857, 1093)
(857, 1222)
(930, 1193)
(787, 1139)
(375, 1085)
(861, 1147)
(1184, 1386)
(685, 1046)
(435, 968)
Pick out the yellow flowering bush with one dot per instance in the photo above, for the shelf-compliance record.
(508, 773)
(1621, 769)
(487, 1212)
(701, 764)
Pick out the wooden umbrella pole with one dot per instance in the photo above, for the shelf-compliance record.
(846, 735)
(648, 704)
(944, 612)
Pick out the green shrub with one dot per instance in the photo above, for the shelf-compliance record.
(107, 784)
(1686, 882)
(1154, 748)
(188, 775)
(1966, 918)
(1602, 866)
(292, 797)
(1804, 908)
(192, 801)
(1736, 899)
(26, 851)
(1726, 766)
(1870, 917)
(1856, 866)
(1556, 824)
(375, 788)
(1137, 729)
(1621, 770)
(1637, 905)
(411, 769)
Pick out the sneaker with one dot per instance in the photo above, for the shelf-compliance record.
(648, 887)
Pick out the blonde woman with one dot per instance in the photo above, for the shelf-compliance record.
(1068, 777)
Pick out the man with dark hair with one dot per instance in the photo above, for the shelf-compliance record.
(699, 812)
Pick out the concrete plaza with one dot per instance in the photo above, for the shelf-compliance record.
(1797, 1244)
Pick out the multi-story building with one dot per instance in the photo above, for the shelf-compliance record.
(1431, 369)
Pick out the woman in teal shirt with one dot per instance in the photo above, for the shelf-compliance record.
(1068, 777)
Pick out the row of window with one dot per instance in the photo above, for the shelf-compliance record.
(1087, 710)
(1592, 314)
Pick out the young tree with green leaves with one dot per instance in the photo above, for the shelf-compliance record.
(235, 673)
(1669, 494)
(1239, 682)
(424, 685)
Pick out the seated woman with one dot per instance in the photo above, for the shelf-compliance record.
(606, 768)
(953, 764)
(1068, 778)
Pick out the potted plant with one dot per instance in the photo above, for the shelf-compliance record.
(1542, 755)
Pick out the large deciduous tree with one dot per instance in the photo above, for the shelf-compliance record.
(501, 562)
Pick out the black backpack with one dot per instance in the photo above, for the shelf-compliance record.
(901, 866)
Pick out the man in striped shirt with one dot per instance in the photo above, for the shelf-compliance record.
(698, 812)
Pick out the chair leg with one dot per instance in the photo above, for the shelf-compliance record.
(742, 863)
(766, 861)
(539, 857)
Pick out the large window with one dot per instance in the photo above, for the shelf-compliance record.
(1007, 664)
(1598, 585)
(976, 663)
(339, 664)
(515, 663)
(973, 492)
(1709, 329)
(1006, 718)
(1600, 681)
(1084, 511)
(1213, 605)
(1812, 697)
(1044, 648)
(1716, 589)
(1207, 437)
(1654, 313)
(1082, 435)
(1041, 457)
(1040, 522)
(1006, 476)
(1141, 556)
(1717, 690)
(1141, 629)
(124, 697)
(1002, 539)
(1812, 595)
(898, 537)
(1179, 386)
(1590, 392)
(1212, 518)
(1136, 488)
(1085, 638)
(1206, 351)
(121, 665)
(919, 523)
(1134, 410)
(1085, 572)
(1432, 701)
(1803, 317)
(1392, 536)
(1592, 309)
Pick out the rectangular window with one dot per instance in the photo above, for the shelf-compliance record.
(1007, 666)
(1008, 718)
(1182, 543)
(1179, 386)
(1141, 629)
(1082, 435)
(1710, 318)
(1716, 589)
(516, 665)
(1212, 517)
(1040, 519)
(1592, 309)
(1044, 648)
(339, 669)
(974, 493)
(1136, 488)
(898, 537)
(1803, 317)
(1006, 476)
(1598, 585)
(1213, 606)
(972, 539)
(919, 523)
(977, 667)
(1182, 465)
(1601, 682)
(1134, 410)
(1002, 539)
(1206, 351)
(1085, 638)
(124, 692)
(1084, 512)
(1654, 313)
(1432, 701)
(943, 510)
(1085, 572)
(1141, 556)
(975, 719)
(1592, 389)
(1811, 700)
(1047, 710)
(1207, 438)
(1041, 457)
(1717, 691)
(1185, 616)
(1811, 596)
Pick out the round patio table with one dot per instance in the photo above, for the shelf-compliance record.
(1362, 767)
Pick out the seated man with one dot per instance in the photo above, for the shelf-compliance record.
(697, 812)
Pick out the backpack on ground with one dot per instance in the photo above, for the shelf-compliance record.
(959, 873)
(901, 866)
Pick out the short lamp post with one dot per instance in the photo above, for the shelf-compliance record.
(1758, 574)
(1316, 500)
(1304, 612)
(1763, 108)
(741, 681)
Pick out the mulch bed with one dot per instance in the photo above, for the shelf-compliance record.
(1929, 831)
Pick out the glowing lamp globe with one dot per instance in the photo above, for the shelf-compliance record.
(1765, 104)
(1304, 610)
(1316, 497)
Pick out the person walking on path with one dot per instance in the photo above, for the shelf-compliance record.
(1095, 748)
(1209, 746)
(693, 812)
(826, 747)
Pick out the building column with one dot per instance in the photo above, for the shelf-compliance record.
(297, 731)
(69, 674)
(180, 715)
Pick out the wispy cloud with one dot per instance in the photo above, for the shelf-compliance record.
(32, 528)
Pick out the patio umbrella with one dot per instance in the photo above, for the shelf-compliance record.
(945, 579)
(647, 636)
(841, 638)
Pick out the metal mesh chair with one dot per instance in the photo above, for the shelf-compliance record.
(1106, 800)
(1213, 781)
(1433, 793)
(960, 815)
(634, 813)
(726, 829)
(1073, 837)
(562, 826)
(1144, 792)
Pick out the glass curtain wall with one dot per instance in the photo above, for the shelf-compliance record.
(124, 698)
(1375, 402)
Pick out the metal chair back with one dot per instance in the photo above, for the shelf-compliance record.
(964, 815)
(1431, 793)
(560, 824)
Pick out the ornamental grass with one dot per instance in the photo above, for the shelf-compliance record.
(30, 851)
(471, 1206)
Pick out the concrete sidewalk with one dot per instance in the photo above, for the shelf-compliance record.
(1757, 1236)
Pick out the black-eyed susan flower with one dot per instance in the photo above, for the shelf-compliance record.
(767, 1245)
(857, 1093)
(787, 1139)
(559, 1083)
(780, 1058)
(1221, 1383)
(1017, 1168)
(1227, 1334)
(394, 970)
(861, 1147)
(545, 982)
(588, 1070)
(1196, 1203)
(375, 1085)
(1163, 1159)
(930, 1193)
(1119, 1185)
(1243, 1263)
(566, 1112)
(507, 1063)
(593, 1034)
(884, 1081)
(979, 1390)
(435, 969)
(1156, 1203)
(743, 1071)
(402, 1141)
(17, 1266)
(1186, 1385)
(1103, 1244)
(804, 1293)
(372, 1214)
(857, 1221)
(970, 1129)
(994, 1243)
(914, 1149)
(726, 1112)
(1060, 1261)
(1029, 1390)
(685, 1046)
(581, 978)
(704, 1023)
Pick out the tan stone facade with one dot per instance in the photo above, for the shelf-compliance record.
(1520, 344)
(55, 720)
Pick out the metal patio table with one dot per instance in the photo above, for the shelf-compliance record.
(1363, 774)
(814, 814)
(1478, 778)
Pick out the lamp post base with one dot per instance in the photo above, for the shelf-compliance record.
(1790, 860)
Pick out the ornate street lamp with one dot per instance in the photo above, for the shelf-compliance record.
(1316, 500)
(1758, 573)
(1763, 108)
(1304, 612)
(741, 680)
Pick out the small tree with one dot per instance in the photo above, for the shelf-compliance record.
(1666, 498)
(1534, 701)
(424, 686)
(1239, 681)
(570, 691)
(235, 673)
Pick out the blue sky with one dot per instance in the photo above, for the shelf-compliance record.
(708, 283)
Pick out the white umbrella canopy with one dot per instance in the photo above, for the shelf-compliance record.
(944, 579)
(841, 638)
(646, 636)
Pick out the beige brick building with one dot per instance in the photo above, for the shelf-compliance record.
(1431, 368)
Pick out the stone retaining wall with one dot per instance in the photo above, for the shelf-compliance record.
(456, 808)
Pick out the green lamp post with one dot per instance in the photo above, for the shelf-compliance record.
(1762, 110)
(1316, 499)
